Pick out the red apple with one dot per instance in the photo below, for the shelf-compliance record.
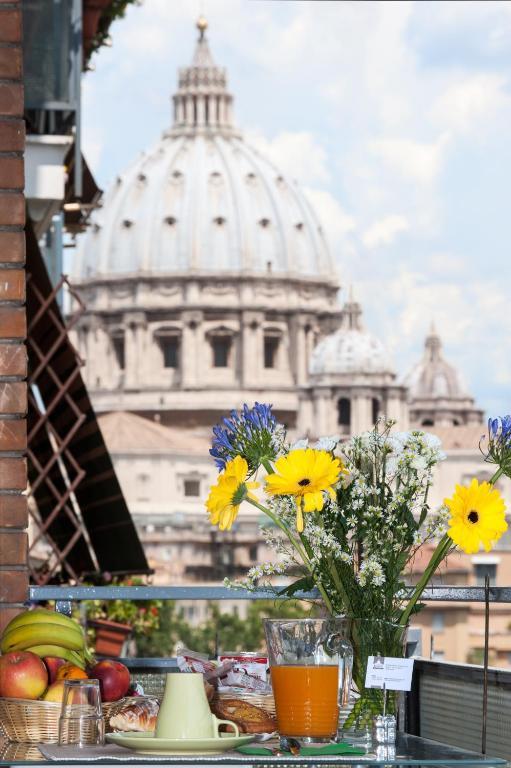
(114, 679)
(22, 675)
(53, 663)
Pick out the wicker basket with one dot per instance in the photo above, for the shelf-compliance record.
(23, 720)
(263, 700)
(12, 751)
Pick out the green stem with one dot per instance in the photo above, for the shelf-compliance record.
(338, 583)
(439, 554)
(299, 549)
(334, 573)
(496, 476)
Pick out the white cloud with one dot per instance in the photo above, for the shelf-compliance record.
(367, 100)
(336, 221)
(464, 104)
(384, 231)
(470, 318)
(417, 161)
(445, 263)
(298, 154)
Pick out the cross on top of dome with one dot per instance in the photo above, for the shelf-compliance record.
(202, 102)
(202, 56)
(202, 25)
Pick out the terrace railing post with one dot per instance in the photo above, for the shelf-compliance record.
(13, 358)
(485, 662)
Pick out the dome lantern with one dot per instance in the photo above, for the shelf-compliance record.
(202, 101)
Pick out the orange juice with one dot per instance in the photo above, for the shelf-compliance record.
(306, 700)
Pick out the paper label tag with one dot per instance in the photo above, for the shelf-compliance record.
(394, 673)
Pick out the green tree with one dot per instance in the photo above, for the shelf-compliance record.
(172, 628)
(221, 631)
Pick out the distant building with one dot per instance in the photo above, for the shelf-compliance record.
(208, 283)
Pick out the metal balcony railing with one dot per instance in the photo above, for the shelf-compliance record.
(446, 703)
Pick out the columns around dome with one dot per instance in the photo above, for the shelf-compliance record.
(201, 346)
(348, 409)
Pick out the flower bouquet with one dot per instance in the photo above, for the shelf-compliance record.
(351, 517)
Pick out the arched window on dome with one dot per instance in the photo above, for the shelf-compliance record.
(344, 415)
(118, 346)
(375, 409)
(221, 341)
(221, 346)
(169, 342)
(427, 423)
(271, 348)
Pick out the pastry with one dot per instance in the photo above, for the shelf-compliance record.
(136, 715)
(248, 717)
(210, 691)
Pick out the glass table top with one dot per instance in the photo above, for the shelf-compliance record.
(409, 750)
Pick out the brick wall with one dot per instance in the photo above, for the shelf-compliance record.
(13, 361)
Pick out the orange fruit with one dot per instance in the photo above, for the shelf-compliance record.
(70, 671)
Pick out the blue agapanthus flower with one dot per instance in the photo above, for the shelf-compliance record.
(250, 433)
(498, 450)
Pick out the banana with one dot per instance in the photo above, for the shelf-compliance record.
(27, 636)
(42, 616)
(61, 653)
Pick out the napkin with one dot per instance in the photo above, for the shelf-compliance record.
(93, 754)
(342, 748)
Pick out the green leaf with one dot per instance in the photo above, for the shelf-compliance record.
(305, 584)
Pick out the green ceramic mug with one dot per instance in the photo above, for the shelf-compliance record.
(185, 713)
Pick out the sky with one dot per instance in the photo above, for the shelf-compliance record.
(395, 117)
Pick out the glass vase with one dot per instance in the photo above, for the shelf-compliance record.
(370, 637)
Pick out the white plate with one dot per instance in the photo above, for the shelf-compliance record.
(149, 744)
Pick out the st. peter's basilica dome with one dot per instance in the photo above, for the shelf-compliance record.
(203, 200)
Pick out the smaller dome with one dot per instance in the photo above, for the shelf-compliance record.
(350, 349)
(433, 377)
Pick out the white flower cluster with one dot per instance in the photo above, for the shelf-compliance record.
(323, 444)
(258, 577)
(283, 507)
(278, 440)
(371, 572)
(275, 541)
(438, 523)
(414, 451)
(324, 544)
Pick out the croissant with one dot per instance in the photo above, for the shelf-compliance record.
(136, 716)
(248, 717)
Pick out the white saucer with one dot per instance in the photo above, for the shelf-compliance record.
(147, 743)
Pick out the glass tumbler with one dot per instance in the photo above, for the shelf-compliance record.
(81, 722)
(308, 662)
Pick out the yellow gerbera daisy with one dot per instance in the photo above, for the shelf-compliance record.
(226, 496)
(477, 516)
(305, 473)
